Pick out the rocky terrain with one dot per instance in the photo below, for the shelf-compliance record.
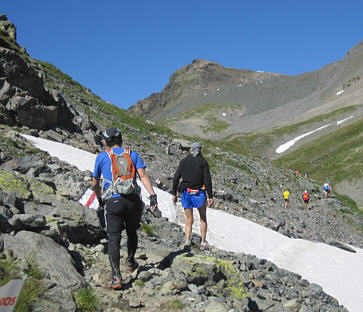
(39, 207)
(41, 220)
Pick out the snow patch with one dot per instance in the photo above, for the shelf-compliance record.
(340, 92)
(341, 121)
(282, 148)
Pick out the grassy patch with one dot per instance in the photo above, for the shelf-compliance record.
(237, 164)
(352, 209)
(207, 111)
(101, 111)
(334, 157)
(16, 149)
(295, 127)
(32, 289)
(86, 300)
(32, 269)
(172, 305)
(214, 124)
(148, 229)
(140, 283)
(253, 144)
(9, 43)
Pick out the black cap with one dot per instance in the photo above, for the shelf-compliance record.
(111, 132)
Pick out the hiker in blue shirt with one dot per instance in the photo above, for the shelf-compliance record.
(327, 189)
(120, 210)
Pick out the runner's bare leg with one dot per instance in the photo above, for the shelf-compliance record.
(203, 221)
(188, 223)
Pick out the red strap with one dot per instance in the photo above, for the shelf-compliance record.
(114, 167)
(91, 199)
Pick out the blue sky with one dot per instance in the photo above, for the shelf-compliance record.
(126, 50)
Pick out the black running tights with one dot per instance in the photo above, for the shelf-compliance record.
(121, 213)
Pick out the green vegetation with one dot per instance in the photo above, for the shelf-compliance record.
(86, 300)
(140, 283)
(353, 208)
(32, 269)
(214, 124)
(15, 148)
(172, 305)
(253, 144)
(208, 112)
(7, 42)
(8, 183)
(148, 229)
(295, 127)
(32, 289)
(198, 111)
(335, 157)
(236, 164)
(102, 112)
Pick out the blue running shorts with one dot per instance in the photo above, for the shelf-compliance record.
(193, 201)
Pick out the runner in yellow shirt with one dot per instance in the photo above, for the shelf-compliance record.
(286, 198)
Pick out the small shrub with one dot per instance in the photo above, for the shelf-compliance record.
(32, 288)
(31, 291)
(86, 300)
(173, 305)
(148, 229)
(140, 283)
(32, 269)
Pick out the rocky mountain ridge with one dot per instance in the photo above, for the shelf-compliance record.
(193, 80)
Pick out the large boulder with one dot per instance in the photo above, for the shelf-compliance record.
(60, 276)
(222, 278)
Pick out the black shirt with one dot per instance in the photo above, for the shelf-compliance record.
(195, 173)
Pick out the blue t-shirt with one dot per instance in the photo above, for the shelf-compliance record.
(103, 164)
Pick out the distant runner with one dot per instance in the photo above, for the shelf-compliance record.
(194, 170)
(286, 195)
(305, 198)
(327, 189)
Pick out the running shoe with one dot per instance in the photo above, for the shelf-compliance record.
(187, 245)
(131, 265)
(115, 283)
(203, 246)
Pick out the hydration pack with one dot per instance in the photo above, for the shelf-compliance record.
(123, 174)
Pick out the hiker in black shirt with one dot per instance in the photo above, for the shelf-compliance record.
(196, 184)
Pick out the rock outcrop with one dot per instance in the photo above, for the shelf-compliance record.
(24, 99)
